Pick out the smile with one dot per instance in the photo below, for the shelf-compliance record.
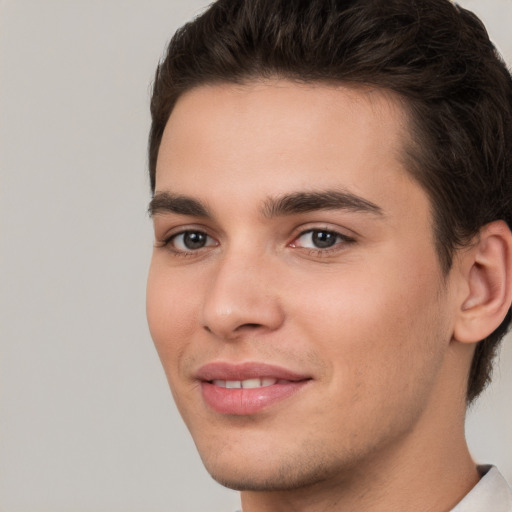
(248, 388)
(245, 384)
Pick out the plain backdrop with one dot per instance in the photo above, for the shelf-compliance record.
(86, 420)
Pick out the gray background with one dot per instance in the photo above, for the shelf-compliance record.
(86, 420)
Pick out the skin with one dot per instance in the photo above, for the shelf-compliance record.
(371, 320)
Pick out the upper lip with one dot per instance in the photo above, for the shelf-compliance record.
(243, 371)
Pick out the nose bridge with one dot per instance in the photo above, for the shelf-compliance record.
(240, 295)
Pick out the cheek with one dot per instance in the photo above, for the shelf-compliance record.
(380, 331)
(170, 312)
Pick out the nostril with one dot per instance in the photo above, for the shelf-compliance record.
(248, 326)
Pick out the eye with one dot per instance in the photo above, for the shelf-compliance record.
(319, 239)
(189, 241)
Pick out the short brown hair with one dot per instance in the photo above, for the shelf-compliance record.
(434, 54)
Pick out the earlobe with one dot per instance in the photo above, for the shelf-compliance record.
(488, 277)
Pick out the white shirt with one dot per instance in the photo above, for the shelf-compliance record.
(491, 494)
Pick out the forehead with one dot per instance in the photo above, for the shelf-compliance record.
(278, 136)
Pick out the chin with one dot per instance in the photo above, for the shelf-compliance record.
(285, 479)
(305, 467)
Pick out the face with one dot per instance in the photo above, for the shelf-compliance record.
(295, 296)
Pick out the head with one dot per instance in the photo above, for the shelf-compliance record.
(434, 55)
(331, 179)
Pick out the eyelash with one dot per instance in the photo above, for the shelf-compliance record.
(340, 240)
(168, 243)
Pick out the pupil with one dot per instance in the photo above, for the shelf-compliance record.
(194, 240)
(323, 239)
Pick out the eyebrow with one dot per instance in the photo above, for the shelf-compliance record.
(165, 202)
(288, 204)
(304, 202)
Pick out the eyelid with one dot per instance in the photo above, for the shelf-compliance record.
(172, 241)
(343, 240)
(165, 240)
(345, 237)
(343, 232)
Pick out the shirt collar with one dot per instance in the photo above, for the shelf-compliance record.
(491, 493)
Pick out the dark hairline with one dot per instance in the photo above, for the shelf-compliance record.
(434, 54)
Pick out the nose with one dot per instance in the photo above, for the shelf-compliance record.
(242, 298)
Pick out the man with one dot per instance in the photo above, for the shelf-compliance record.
(332, 266)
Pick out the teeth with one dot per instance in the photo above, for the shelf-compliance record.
(251, 383)
(246, 384)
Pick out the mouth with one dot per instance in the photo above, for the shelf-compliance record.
(247, 383)
(248, 388)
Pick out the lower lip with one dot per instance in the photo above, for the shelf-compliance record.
(241, 402)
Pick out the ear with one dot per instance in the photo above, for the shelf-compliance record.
(487, 271)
